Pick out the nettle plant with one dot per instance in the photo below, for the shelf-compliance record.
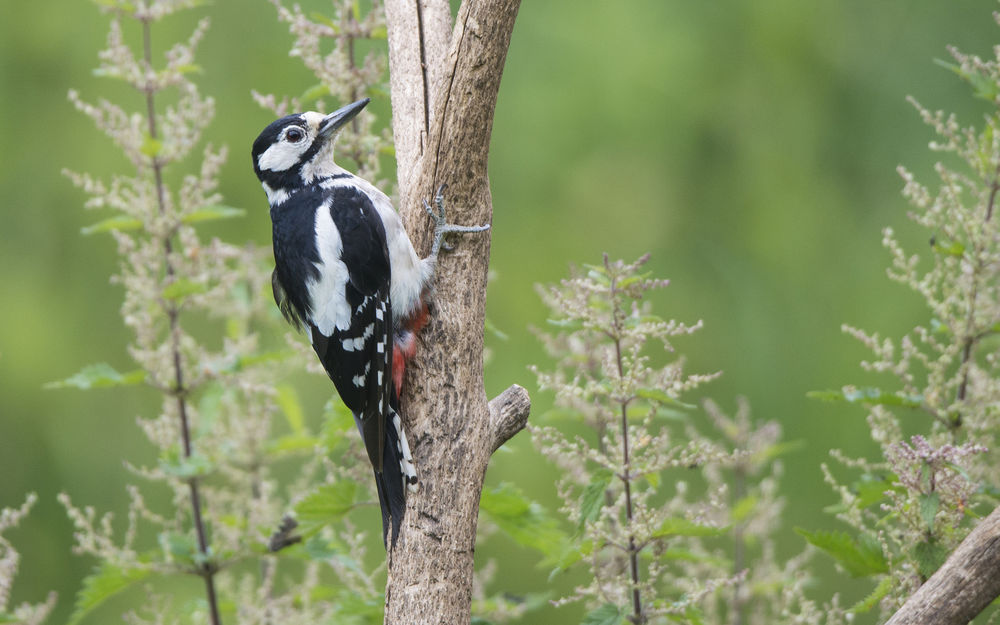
(26, 613)
(938, 420)
(668, 507)
(200, 311)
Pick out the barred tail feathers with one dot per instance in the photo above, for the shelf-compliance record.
(397, 477)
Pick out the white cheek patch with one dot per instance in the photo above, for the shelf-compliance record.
(281, 156)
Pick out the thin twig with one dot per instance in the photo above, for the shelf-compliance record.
(207, 571)
(633, 552)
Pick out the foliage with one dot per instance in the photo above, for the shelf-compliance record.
(904, 510)
(340, 75)
(24, 614)
(666, 519)
(937, 425)
(198, 309)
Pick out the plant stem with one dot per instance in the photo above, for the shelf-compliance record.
(633, 552)
(972, 337)
(739, 542)
(173, 315)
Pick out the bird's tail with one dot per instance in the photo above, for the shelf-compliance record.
(398, 475)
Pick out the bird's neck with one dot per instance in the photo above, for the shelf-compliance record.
(278, 194)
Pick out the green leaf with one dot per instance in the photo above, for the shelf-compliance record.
(870, 489)
(873, 598)
(179, 547)
(983, 86)
(694, 615)
(121, 223)
(288, 401)
(106, 580)
(327, 504)
(240, 363)
(319, 18)
(100, 375)
(930, 555)
(7, 617)
(743, 508)
(293, 443)
(607, 614)
(676, 526)
(777, 450)
(182, 287)
(119, 5)
(319, 548)
(686, 555)
(492, 329)
(592, 499)
(315, 93)
(188, 68)
(869, 395)
(186, 467)
(525, 521)
(929, 505)
(861, 558)
(212, 213)
(660, 396)
(653, 479)
(151, 147)
(954, 248)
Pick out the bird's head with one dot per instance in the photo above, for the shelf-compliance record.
(298, 149)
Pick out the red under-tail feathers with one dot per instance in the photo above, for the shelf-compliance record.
(405, 344)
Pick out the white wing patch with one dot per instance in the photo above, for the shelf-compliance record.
(330, 310)
(409, 272)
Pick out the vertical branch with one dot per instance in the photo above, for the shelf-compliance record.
(173, 315)
(444, 88)
(626, 475)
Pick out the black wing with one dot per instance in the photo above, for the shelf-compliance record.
(358, 359)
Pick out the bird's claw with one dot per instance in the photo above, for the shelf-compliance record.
(441, 225)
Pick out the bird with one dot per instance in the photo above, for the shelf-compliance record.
(347, 274)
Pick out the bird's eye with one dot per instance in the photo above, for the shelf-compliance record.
(294, 135)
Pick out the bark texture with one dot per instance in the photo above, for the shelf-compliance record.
(964, 585)
(444, 81)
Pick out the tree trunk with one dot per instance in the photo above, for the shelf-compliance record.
(444, 84)
(964, 585)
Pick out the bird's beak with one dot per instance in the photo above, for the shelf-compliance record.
(335, 120)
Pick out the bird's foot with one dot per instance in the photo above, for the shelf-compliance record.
(441, 225)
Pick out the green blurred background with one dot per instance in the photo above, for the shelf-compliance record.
(749, 146)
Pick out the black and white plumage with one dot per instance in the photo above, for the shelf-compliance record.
(347, 273)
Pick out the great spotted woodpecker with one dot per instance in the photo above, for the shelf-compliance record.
(346, 272)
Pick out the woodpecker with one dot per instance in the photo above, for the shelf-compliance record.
(347, 274)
